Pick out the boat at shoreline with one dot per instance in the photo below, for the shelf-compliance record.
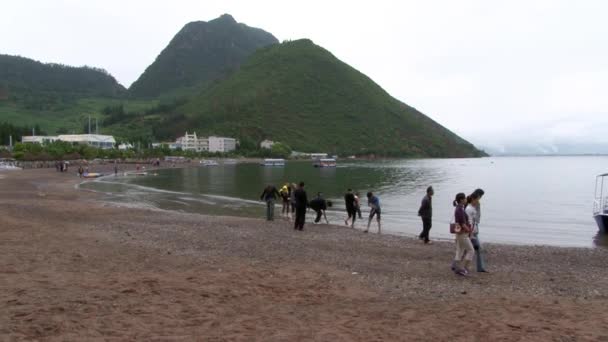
(324, 162)
(92, 175)
(208, 162)
(600, 203)
(8, 164)
(273, 162)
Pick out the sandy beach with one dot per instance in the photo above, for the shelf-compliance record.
(75, 268)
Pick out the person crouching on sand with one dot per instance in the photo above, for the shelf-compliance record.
(319, 205)
(374, 203)
(464, 248)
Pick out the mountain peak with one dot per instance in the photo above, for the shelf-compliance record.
(225, 18)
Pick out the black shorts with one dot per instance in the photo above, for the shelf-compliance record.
(374, 211)
(351, 212)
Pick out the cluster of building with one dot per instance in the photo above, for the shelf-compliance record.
(191, 142)
(96, 140)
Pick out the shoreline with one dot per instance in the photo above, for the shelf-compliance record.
(406, 235)
(76, 268)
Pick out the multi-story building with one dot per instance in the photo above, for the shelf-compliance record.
(190, 142)
(221, 144)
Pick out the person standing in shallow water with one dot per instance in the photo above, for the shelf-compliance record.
(426, 213)
(301, 204)
(481, 267)
(374, 203)
(464, 248)
(269, 195)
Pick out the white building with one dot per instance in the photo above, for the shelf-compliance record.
(267, 144)
(37, 139)
(95, 140)
(221, 144)
(193, 143)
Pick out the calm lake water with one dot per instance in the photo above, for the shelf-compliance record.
(528, 200)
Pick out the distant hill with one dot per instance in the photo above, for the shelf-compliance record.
(300, 94)
(200, 53)
(36, 85)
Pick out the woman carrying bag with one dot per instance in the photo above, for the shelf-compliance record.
(462, 229)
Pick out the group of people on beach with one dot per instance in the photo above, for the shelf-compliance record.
(464, 225)
(295, 203)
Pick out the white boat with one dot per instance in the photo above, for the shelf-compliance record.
(208, 162)
(229, 161)
(8, 164)
(324, 162)
(273, 162)
(600, 204)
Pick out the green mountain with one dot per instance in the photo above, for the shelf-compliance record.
(300, 94)
(36, 85)
(199, 54)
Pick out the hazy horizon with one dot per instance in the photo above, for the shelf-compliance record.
(498, 74)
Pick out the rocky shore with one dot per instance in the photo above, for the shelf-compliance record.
(76, 268)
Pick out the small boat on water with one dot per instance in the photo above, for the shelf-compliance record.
(273, 162)
(324, 162)
(600, 204)
(208, 162)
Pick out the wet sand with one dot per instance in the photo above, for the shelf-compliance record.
(75, 268)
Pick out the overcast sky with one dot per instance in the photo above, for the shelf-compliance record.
(492, 71)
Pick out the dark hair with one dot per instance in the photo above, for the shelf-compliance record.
(473, 196)
(429, 189)
(329, 203)
(301, 184)
(369, 194)
(459, 197)
(479, 192)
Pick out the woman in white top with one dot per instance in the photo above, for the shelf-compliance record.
(473, 212)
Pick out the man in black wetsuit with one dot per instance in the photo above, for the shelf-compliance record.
(319, 205)
(301, 204)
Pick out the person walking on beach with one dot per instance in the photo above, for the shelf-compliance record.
(374, 203)
(269, 195)
(464, 248)
(285, 193)
(319, 205)
(115, 170)
(358, 205)
(426, 213)
(301, 204)
(351, 211)
(475, 203)
(80, 171)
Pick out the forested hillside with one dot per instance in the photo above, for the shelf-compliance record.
(200, 53)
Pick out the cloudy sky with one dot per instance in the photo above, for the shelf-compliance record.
(495, 72)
